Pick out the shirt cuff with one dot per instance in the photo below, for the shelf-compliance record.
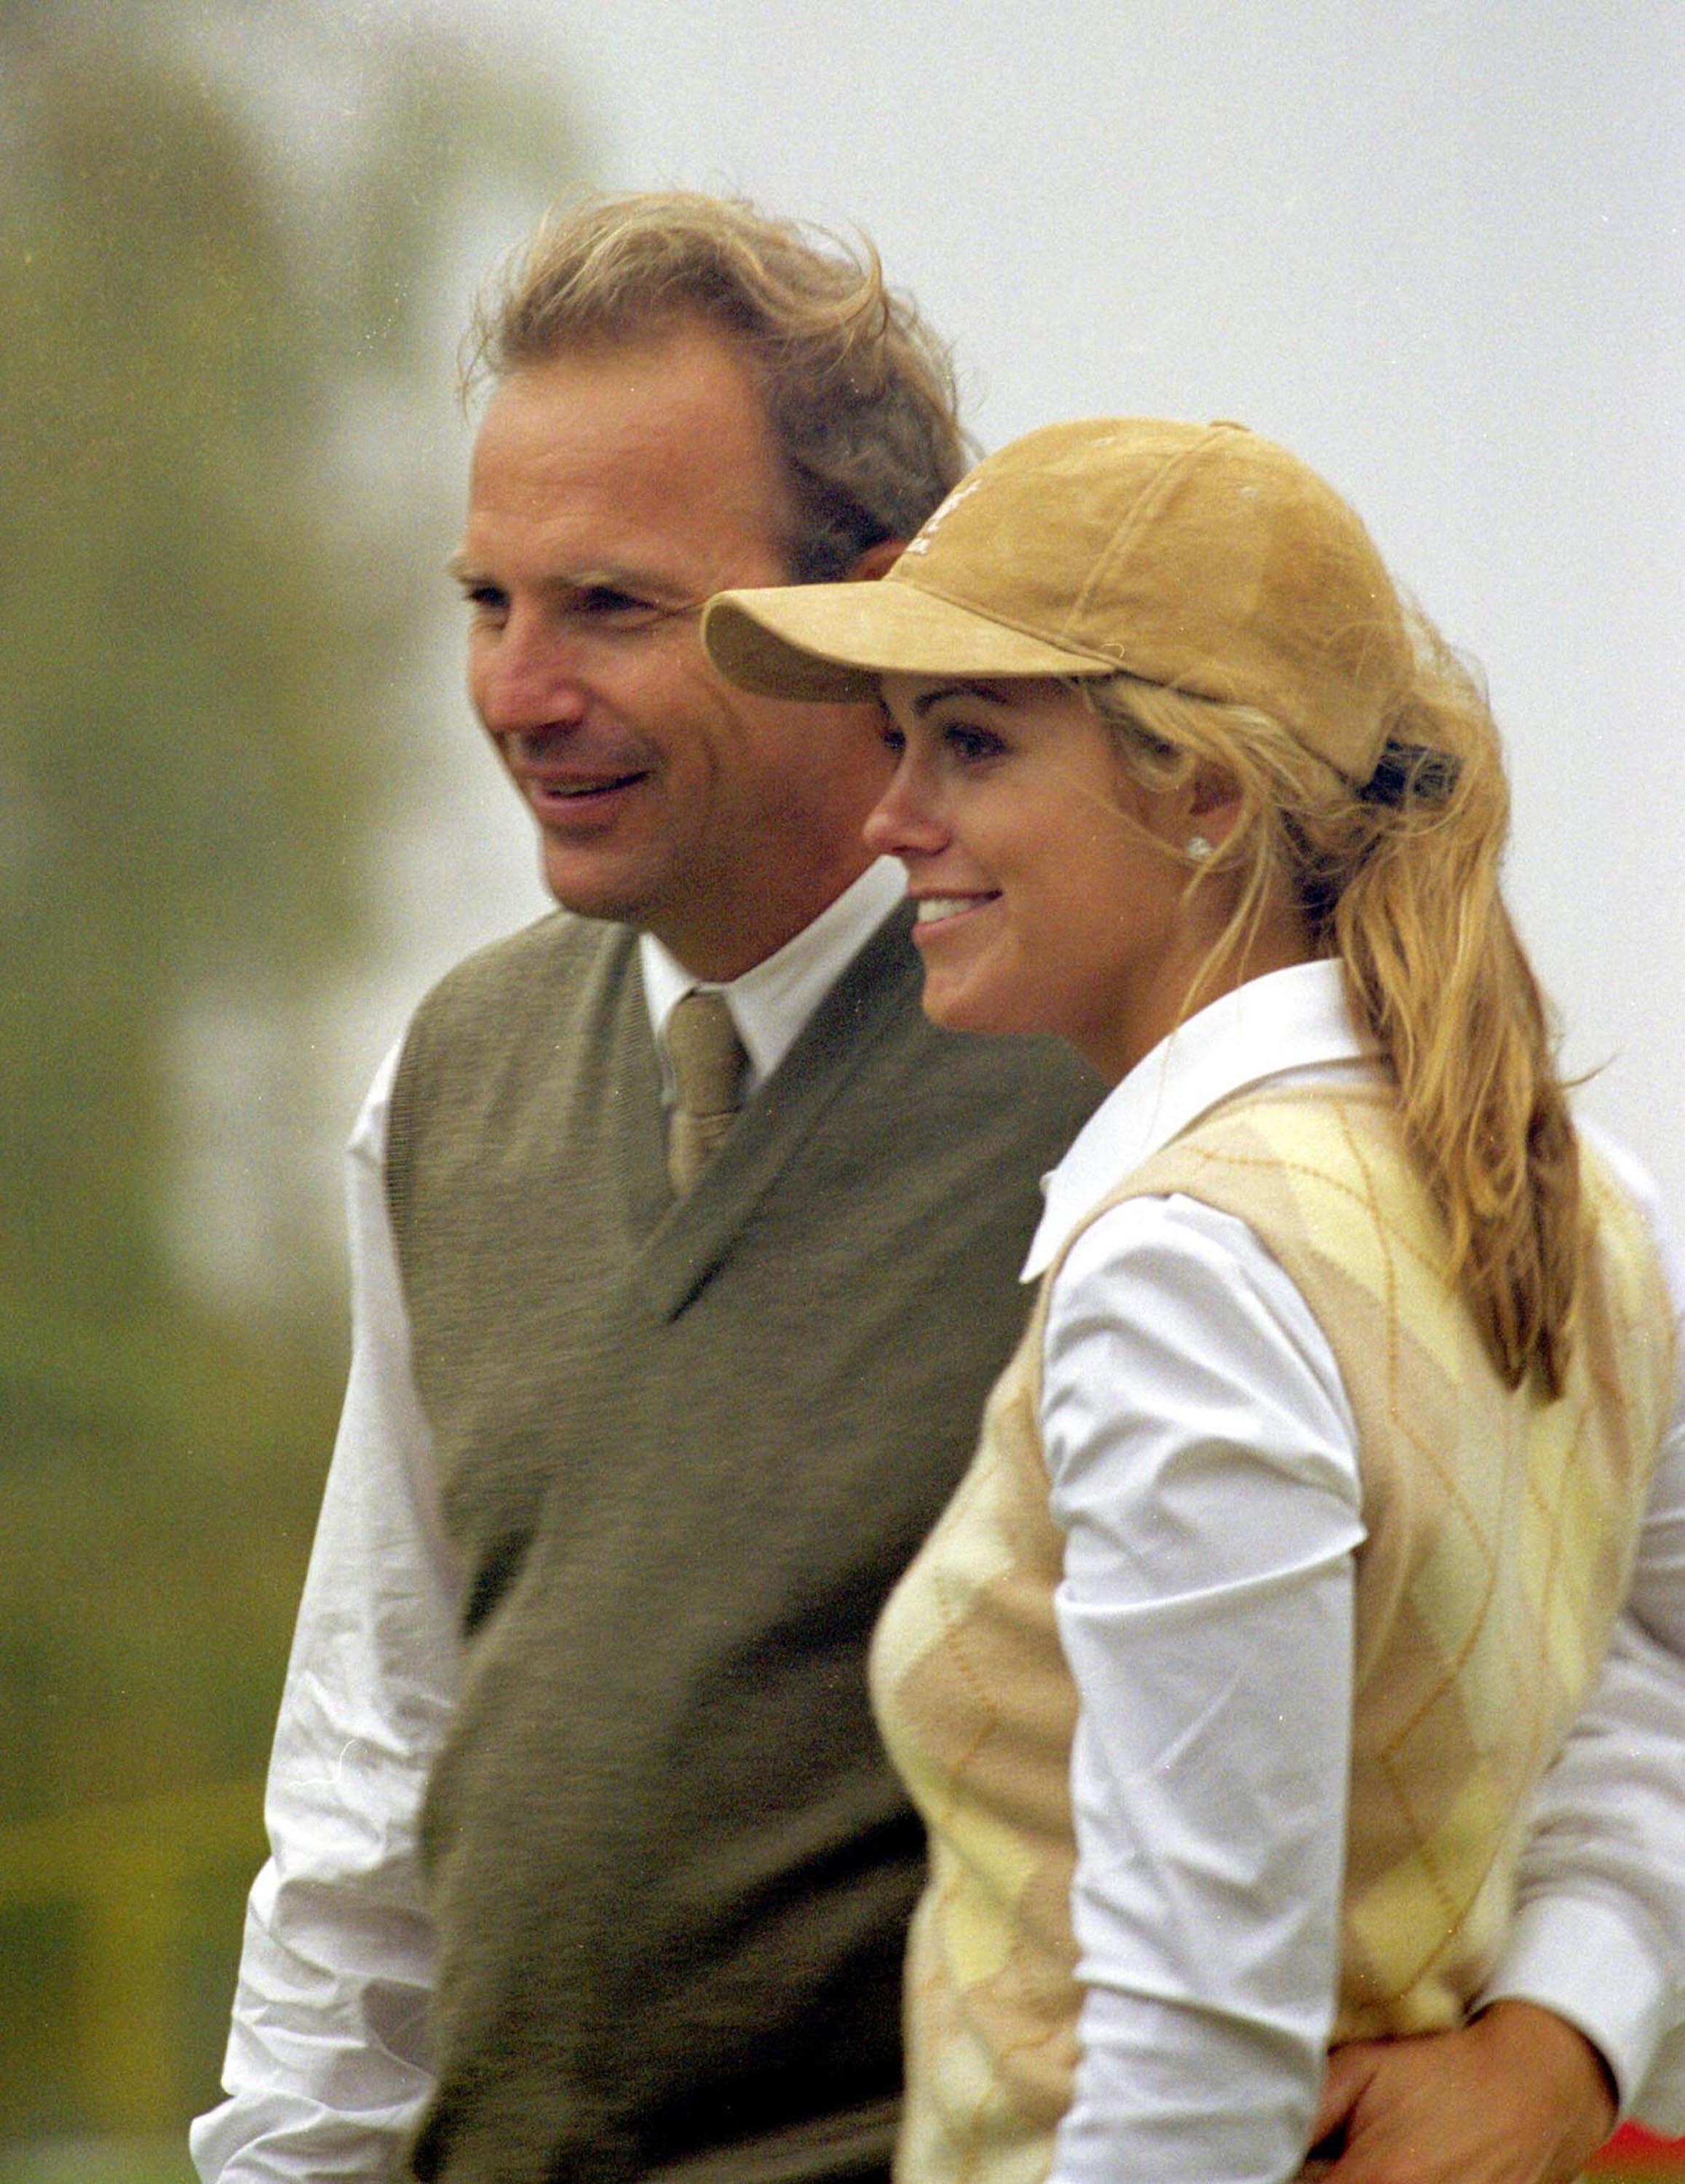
(1583, 1960)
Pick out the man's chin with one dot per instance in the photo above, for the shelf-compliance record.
(590, 888)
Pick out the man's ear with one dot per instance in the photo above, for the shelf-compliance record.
(877, 561)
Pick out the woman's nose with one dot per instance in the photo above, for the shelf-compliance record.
(905, 822)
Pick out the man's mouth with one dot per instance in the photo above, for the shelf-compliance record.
(551, 793)
(554, 769)
(576, 792)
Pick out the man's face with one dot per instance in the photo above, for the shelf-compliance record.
(613, 491)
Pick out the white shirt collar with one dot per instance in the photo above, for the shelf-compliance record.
(1287, 1021)
(770, 1005)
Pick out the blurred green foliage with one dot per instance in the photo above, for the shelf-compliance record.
(222, 229)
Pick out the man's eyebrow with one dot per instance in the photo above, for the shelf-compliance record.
(574, 583)
(995, 692)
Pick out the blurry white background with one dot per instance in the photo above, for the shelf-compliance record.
(1437, 248)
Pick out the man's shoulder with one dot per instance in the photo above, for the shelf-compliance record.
(553, 1011)
(562, 986)
(531, 968)
(559, 946)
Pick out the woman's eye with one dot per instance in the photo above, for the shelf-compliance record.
(972, 745)
(892, 739)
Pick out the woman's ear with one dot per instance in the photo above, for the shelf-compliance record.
(1214, 805)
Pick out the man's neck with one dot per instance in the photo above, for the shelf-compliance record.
(772, 1002)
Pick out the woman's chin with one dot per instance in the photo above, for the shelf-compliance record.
(956, 1005)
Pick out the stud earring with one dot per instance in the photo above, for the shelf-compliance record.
(1199, 848)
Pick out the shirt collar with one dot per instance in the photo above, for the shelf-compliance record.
(1289, 1020)
(772, 1003)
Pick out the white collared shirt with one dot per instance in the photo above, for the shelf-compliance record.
(327, 2065)
(1203, 1462)
(771, 1004)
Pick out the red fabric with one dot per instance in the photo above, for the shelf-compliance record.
(1633, 2148)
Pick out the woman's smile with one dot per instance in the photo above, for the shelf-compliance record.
(933, 909)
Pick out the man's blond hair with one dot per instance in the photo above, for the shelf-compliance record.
(859, 393)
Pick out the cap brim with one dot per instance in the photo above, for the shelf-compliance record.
(830, 642)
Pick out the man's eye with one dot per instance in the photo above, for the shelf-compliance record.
(604, 603)
(892, 739)
(485, 599)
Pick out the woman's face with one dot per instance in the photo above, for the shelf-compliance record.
(1051, 889)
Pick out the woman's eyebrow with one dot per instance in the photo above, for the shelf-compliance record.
(995, 692)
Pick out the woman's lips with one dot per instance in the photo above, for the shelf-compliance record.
(931, 911)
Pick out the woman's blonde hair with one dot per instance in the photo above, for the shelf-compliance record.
(1399, 881)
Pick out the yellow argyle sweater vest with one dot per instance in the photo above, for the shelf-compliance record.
(1500, 1533)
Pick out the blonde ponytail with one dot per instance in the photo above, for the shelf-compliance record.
(1400, 882)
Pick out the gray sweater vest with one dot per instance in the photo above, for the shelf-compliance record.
(685, 1451)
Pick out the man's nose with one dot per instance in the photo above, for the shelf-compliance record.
(525, 674)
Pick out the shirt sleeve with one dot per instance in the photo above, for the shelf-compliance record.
(1202, 1465)
(1600, 1936)
(327, 2065)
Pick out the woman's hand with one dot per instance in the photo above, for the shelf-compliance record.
(1518, 2097)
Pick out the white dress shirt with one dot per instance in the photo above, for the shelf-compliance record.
(327, 2066)
(1203, 1462)
(771, 1004)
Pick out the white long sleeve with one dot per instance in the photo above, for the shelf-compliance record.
(1206, 1611)
(326, 2064)
(1600, 1935)
(1189, 1402)
(1203, 1464)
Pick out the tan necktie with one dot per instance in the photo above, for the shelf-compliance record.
(707, 1060)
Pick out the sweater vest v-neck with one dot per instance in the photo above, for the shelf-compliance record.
(685, 1450)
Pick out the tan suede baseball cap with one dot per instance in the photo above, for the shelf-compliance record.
(1203, 557)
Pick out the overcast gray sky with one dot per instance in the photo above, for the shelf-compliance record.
(1437, 248)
